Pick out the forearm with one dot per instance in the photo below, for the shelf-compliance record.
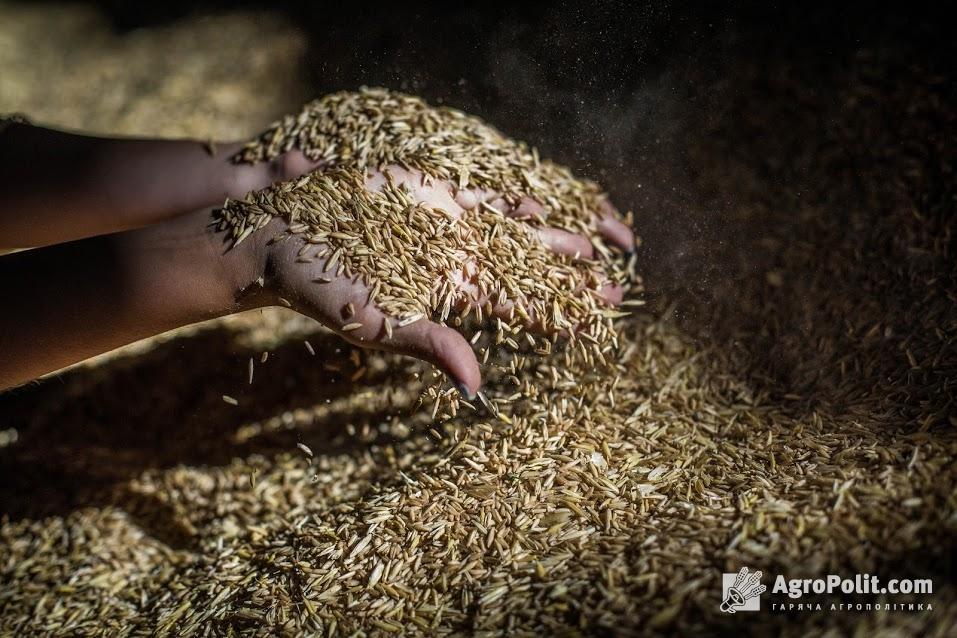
(57, 186)
(69, 302)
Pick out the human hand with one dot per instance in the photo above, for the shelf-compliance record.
(343, 304)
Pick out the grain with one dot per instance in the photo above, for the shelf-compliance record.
(332, 207)
(411, 256)
(408, 321)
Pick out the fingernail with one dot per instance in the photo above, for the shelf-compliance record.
(464, 391)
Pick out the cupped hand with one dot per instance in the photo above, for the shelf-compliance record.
(343, 303)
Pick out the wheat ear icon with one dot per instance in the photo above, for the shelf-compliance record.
(744, 588)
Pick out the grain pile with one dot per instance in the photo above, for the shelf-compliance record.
(792, 436)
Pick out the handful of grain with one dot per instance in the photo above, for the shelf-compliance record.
(412, 257)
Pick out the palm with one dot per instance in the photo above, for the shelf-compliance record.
(344, 305)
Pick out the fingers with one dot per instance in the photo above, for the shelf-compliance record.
(246, 178)
(613, 229)
(469, 198)
(612, 294)
(560, 241)
(291, 165)
(608, 224)
(608, 221)
(532, 311)
(344, 305)
(566, 243)
(528, 208)
(424, 190)
(441, 346)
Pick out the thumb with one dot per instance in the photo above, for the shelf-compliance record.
(246, 178)
(441, 346)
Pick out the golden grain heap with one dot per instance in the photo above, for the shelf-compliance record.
(411, 256)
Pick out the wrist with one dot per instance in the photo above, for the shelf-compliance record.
(252, 290)
(191, 270)
(242, 268)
